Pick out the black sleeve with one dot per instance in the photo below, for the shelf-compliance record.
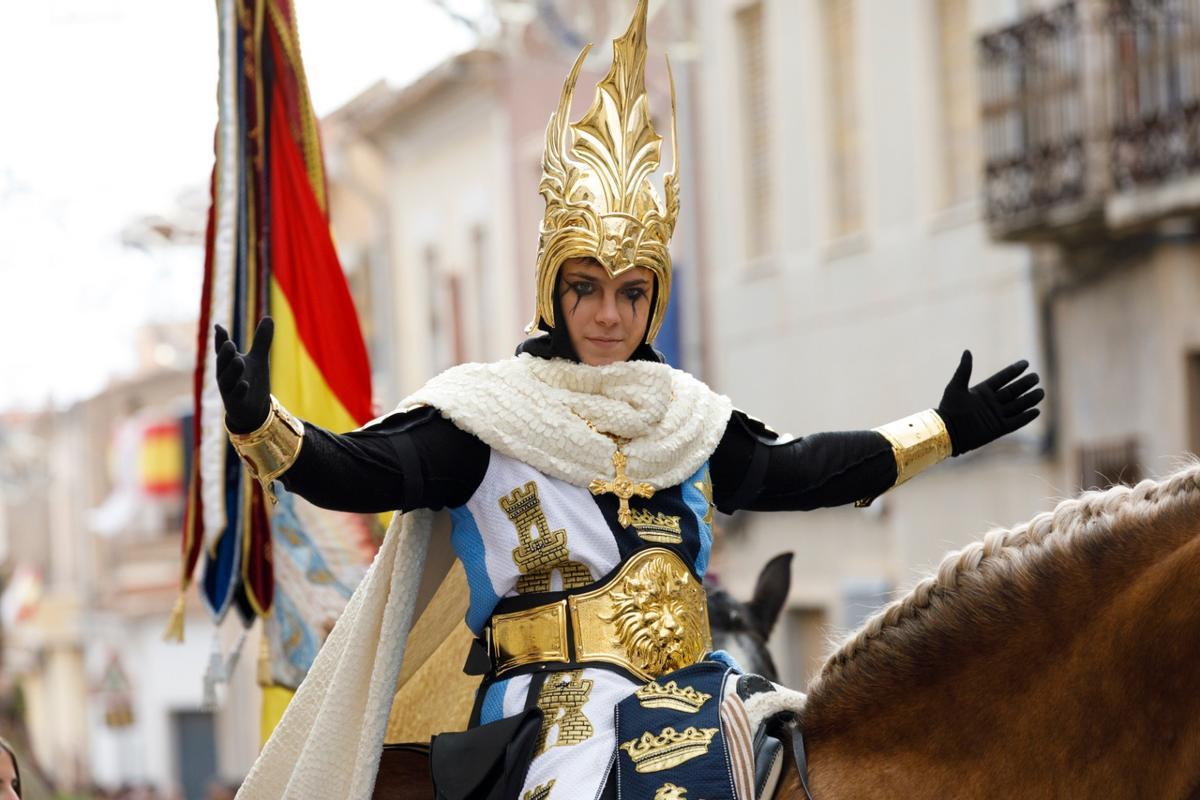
(750, 471)
(417, 459)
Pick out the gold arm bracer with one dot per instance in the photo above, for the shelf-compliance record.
(918, 442)
(268, 451)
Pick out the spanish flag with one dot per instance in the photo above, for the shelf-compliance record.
(269, 251)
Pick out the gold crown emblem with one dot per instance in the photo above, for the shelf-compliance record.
(656, 527)
(540, 792)
(651, 753)
(654, 695)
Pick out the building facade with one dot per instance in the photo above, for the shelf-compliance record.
(869, 189)
(434, 188)
(1092, 149)
(92, 498)
(849, 263)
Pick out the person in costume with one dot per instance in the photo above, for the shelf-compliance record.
(581, 477)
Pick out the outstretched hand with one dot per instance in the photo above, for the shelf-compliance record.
(245, 378)
(991, 408)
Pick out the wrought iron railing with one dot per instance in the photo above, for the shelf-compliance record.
(1155, 103)
(1032, 114)
(1089, 99)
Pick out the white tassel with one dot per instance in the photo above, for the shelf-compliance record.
(231, 662)
(213, 673)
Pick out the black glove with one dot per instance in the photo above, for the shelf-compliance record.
(245, 378)
(989, 409)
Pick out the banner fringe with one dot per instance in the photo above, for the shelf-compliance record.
(174, 630)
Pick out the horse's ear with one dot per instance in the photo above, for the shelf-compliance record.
(771, 591)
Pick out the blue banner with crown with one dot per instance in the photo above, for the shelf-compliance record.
(669, 738)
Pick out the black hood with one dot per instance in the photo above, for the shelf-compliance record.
(556, 342)
(548, 345)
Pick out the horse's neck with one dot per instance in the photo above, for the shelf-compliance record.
(1086, 686)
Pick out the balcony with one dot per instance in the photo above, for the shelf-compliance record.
(1091, 119)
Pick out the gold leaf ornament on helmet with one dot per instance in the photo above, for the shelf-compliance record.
(596, 181)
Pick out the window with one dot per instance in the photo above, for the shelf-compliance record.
(960, 148)
(841, 85)
(755, 114)
(458, 336)
(1155, 88)
(436, 308)
(1107, 464)
(1193, 401)
(485, 295)
(1032, 114)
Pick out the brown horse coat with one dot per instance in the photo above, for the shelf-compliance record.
(1060, 658)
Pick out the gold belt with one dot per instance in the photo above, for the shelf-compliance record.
(651, 619)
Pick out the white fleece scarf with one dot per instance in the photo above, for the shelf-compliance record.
(537, 411)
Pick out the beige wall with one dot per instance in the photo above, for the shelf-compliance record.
(842, 333)
(438, 171)
(1125, 336)
(450, 177)
(56, 690)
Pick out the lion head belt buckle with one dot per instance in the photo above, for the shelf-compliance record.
(651, 618)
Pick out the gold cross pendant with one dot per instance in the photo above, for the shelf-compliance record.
(622, 486)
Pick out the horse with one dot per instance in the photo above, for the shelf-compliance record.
(1057, 658)
(742, 629)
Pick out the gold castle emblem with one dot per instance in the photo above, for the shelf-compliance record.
(561, 700)
(539, 556)
(657, 527)
(541, 791)
(670, 748)
(655, 695)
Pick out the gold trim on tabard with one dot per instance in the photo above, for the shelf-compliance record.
(704, 486)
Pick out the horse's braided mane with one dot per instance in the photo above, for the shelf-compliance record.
(1003, 558)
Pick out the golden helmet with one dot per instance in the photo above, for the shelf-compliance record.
(596, 181)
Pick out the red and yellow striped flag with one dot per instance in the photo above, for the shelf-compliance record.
(269, 251)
